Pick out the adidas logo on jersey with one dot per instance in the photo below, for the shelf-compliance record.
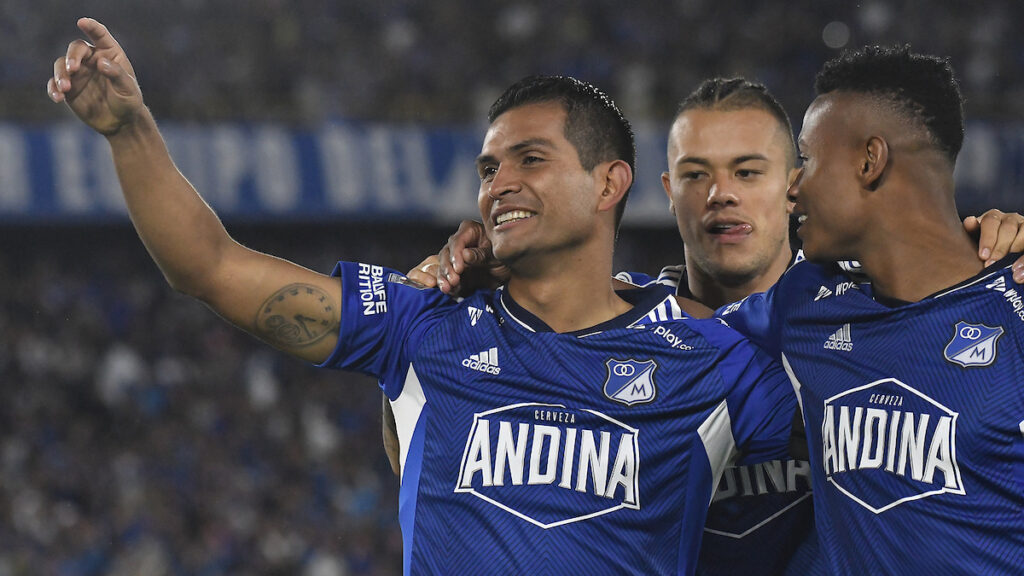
(822, 293)
(840, 340)
(486, 361)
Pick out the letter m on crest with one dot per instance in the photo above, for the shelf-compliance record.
(630, 381)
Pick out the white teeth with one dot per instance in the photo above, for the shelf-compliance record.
(801, 218)
(513, 215)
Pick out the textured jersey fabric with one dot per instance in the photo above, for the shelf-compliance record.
(914, 415)
(761, 520)
(527, 451)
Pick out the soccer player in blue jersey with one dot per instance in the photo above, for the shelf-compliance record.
(731, 159)
(541, 432)
(910, 383)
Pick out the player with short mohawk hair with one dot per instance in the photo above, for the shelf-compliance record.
(922, 84)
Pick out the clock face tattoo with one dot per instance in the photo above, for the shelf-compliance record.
(279, 323)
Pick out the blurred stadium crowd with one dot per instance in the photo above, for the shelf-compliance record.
(445, 60)
(141, 435)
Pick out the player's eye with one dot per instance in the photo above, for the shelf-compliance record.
(487, 172)
(693, 175)
(532, 160)
(747, 173)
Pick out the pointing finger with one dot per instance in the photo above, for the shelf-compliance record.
(97, 33)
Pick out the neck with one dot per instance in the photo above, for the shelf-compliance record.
(918, 254)
(717, 292)
(568, 295)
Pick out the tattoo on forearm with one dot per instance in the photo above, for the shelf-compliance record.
(278, 323)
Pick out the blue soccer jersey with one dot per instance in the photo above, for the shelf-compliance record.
(527, 451)
(914, 415)
(761, 520)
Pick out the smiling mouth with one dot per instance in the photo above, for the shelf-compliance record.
(513, 216)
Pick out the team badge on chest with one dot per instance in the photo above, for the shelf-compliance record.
(630, 381)
(973, 344)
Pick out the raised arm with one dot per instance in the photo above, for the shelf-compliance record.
(286, 305)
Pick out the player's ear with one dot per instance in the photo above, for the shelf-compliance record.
(874, 162)
(618, 177)
(791, 178)
(666, 183)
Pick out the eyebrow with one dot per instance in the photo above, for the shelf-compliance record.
(705, 162)
(484, 159)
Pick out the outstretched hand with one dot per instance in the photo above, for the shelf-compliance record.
(465, 263)
(96, 80)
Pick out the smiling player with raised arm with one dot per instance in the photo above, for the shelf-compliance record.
(541, 432)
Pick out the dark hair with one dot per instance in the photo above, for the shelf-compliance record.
(923, 87)
(593, 124)
(729, 94)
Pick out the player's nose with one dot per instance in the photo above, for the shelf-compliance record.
(721, 194)
(505, 181)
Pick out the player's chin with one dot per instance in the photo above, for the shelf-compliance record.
(506, 252)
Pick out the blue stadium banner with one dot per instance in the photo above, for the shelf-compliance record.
(63, 173)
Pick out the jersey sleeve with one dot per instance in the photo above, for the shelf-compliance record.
(759, 396)
(383, 318)
(756, 318)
